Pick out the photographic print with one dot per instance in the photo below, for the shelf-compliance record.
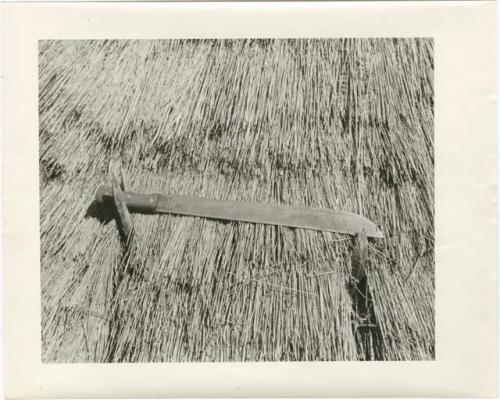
(224, 200)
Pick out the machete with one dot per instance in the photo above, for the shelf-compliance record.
(321, 219)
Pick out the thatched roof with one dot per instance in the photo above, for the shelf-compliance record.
(343, 124)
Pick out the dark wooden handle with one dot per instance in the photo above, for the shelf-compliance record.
(136, 202)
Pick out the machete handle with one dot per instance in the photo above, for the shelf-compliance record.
(136, 202)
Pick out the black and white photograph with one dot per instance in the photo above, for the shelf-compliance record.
(237, 200)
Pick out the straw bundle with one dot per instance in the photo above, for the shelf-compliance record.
(345, 124)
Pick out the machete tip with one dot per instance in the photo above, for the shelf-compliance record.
(377, 234)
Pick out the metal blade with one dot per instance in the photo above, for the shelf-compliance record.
(297, 217)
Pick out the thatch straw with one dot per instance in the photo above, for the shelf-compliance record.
(345, 124)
